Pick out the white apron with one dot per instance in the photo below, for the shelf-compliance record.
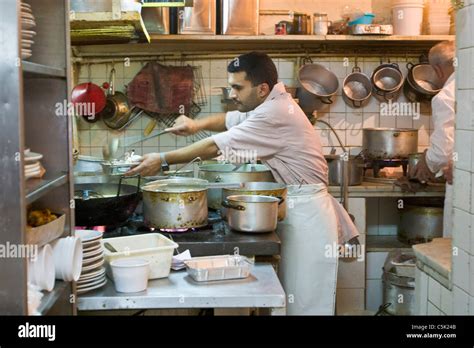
(448, 212)
(308, 233)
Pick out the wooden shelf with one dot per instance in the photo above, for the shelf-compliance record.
(276, 43)
(33, 69)
(36, 188)
(50, 298)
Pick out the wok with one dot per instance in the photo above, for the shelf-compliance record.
(105, 204)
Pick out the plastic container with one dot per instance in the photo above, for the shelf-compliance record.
(67, 254)
(130, 275)
(153, 247)
(204, 269)
(41, 270)
(407, 17)
(367, 18)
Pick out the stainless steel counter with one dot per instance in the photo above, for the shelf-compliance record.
(261, 290)
(369, 189)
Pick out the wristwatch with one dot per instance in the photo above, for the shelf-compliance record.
(164, 165)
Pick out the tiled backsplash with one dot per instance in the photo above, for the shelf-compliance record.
(347, 122)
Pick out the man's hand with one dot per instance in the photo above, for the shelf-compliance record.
(422, 172)
(150, 165)
(448, 173)
(184, 126)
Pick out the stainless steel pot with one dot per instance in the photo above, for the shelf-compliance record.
(420, 224)
(396, 288)
(260, 189)
(175, 203)
(252, 213)
(319, 81)
(387, 81)
(88, 164)
(389, 143)
(336, 164)
(422, 83)
(227, 173)
(357, 89)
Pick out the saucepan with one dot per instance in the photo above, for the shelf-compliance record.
(422, 83)
(252, 213)
(357, 89)
(387, 81)
(318, 81)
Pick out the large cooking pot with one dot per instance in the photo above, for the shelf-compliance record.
(104, 204)
(422, 83)
(357, 89)
(175, 204)
(231, 174)
(260, 189)
(336, 167)
(319, 81)
(252, 213)
(387, 81)
(389, 143)
(396, 287)
(420, 224)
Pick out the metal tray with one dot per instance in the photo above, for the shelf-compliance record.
(205, 269)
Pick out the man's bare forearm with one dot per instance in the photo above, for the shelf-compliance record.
(206, 149)
(214, 123)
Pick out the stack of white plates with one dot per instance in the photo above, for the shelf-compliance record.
(437, 17)
(33, 167)
(93, 273)
(27, 33)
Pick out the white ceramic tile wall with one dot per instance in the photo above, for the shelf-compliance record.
(421, 292)
(348, 122)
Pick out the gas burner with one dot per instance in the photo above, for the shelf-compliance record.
(176, 230)
(377, 165)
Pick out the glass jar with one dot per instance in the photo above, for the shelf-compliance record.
(321, 24)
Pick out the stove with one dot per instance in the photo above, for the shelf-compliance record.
(377, 165)
(217, 238)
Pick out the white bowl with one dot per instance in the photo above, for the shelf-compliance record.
(41, 271)
(68, 258)
(130, 275)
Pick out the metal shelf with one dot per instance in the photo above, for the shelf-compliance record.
(50, 298)
(35, 69)
(36, 188)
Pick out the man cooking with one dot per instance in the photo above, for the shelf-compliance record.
(438, 158)
(269, 123)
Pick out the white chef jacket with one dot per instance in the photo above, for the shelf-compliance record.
(441, 147)
(285, 141)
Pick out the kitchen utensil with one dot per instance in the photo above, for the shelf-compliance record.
(109, 204)
(223, 173)
(153, 247)
(387, 81)
(150, 127)
(320, 24)
(259, 188)
(407, 17)
(88, 164)
(336, 174)
(389, 143)
(422, 83)
(239, 17)
(252, 213)
(367, 18)
(89, 99)
(199, 19)
(396, 287)
(41, 271)
(130, 275)
(67, 254)
(319, 81)
(175, 203)
(110, 247)
(110, 150)
(357, 89)
(420, 224)
(222, 267)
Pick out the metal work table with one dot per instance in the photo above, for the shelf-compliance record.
(261, 290)
(370, 189)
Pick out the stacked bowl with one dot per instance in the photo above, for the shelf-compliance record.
(93, 273)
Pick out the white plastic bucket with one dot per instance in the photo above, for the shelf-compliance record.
(130, 275)
(407, 18)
